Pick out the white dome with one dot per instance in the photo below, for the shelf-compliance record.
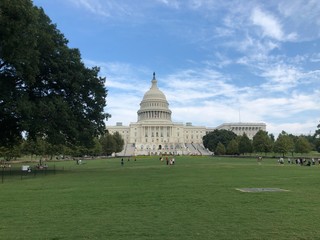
(154, 92)
(154, 105)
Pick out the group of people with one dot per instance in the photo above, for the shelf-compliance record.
(300, 161)
(170, 161)
(41, 166)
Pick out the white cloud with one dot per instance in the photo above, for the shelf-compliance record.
(121, 76)
(104, 8)
(281, 77)
(170, 3)
(93, 6)
(269, 24)
(296, 128)
(192, 85)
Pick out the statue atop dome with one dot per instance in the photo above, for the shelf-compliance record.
(154, 81)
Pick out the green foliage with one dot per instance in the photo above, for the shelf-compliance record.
(46, 91)
(220, 149)
(233, 147)
(108, 144)
(111, 143)
(283, 144)
(317, 145)
(96, 150)
(119, 142)
(9, 153)
(262, 142)
(302, 145)
(16, 63)
(317, 139)
(245, 144)
(212, 139)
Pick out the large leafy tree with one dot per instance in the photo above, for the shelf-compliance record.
(283, 144)
(111, 143)
(233, 147)
(212, 139)
(18, 65)
(245, 144)
(317, 138)
(262, 142)
(302, 145)
(46, 90)
(119, 142)
(220, 149)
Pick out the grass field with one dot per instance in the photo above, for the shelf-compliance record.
(145, 199)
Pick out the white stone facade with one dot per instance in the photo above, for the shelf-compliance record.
(154, 133)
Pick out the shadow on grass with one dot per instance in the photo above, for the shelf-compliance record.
(14, 173)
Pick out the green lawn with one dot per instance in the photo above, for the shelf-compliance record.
(194, 199)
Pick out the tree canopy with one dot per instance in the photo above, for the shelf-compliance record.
(283, 144)
(317, 138)
(46, 91)
(233, 147)
(245, 144)
(212, 139)
(262, 142)
(111, 143)
(302, 145)
(220, 149)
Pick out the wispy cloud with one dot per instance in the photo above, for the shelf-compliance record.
(269, 24)
(93, 6)
(281, 77)
(122, 76)
(170, 3)
(301, 16)
(102, 8)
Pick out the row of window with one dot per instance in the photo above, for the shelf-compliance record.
(154, 135)
(246, 128)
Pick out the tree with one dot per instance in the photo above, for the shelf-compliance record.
(271, 136)
(311, 139)
(220, 149)
(96, 150)
(108, 144)
(9, 153)
(317, 138)
(233, 147)
(302, 145)
(245, 145)
(45, 89)
(18, 64)
(119, 142)
(283, 144)
(261, 142)
(212, 139)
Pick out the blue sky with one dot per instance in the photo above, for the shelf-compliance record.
(216, 61)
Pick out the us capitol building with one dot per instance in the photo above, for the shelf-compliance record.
(154, 133)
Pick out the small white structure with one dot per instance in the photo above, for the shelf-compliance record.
(26, 168)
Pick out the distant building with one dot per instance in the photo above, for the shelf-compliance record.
(154, 133)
